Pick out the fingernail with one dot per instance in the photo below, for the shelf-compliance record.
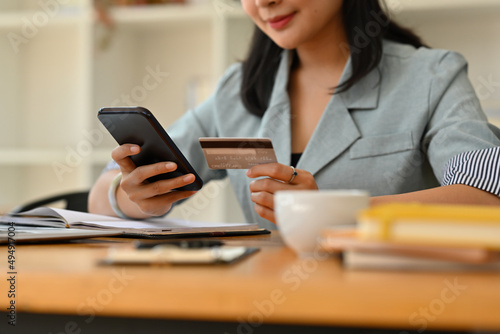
(249, 172)
(134, 149)
(188, 178)
(170, 165)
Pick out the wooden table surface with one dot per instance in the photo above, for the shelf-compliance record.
(271, 286)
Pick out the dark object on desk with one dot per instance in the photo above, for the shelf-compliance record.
(76, 201)
(257, 231)
(180, 244)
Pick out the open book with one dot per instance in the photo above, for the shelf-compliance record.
(158, 227)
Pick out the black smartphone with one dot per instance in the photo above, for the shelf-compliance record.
(137, 125)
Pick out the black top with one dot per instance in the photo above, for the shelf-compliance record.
(295, 158)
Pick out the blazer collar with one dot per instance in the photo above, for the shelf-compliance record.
(365, 93)
(336, 130)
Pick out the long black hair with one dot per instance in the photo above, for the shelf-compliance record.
(366, 25)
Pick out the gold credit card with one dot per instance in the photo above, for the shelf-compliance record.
(237, 153)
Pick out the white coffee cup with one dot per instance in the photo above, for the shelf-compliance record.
(301, 215)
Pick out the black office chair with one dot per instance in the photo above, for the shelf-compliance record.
(76, 201)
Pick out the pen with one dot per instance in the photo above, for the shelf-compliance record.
(181, 244)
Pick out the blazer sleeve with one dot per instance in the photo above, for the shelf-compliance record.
(187, 130)
(456, 123)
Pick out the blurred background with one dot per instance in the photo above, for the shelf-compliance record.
(62, 60)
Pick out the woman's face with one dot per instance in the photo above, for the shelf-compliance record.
(292, 23)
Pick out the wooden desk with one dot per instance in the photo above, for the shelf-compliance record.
(272, 286)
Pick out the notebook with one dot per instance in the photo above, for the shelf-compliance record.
(26, 234)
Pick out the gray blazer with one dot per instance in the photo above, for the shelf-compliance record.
(391, 133)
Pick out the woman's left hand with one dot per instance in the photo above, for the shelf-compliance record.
(278, 178)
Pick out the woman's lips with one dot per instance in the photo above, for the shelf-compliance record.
(280, 22)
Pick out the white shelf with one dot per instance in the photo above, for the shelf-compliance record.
(17, 20)
(134, 16)
(442, 5)
(157, 15)
(33, 157)
(13, 157)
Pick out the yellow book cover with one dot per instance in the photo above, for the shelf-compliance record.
(432, 224)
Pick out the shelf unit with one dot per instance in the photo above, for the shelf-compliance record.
(44, 96)
(57, 75)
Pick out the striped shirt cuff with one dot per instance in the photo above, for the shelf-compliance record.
(479, 169)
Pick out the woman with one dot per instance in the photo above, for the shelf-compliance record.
(346, 95)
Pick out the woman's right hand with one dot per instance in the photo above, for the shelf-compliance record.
(150, 198)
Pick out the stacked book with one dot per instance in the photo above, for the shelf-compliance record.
(420, 237)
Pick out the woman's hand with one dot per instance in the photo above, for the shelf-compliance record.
(278, 177)
(151, 199)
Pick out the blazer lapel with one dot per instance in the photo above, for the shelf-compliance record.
(276, 120)
(336, 130)
(334, 133)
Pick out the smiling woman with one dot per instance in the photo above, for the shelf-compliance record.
(350, 100)
(291, 24)
(280, 22)
(355, 30)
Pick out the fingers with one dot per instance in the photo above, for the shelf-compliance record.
(272, 178)
(160, 205)
(263, 198)
(151, 198)
(268, 185)
(156, 198)
(141, 174)
(264, 204)
(283, 173)
(138, 191)
(276, 171)
(121, 155)
(265, 213)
